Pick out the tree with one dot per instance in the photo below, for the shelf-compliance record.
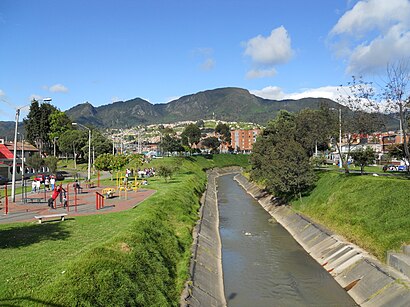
(359, 116)
(363, 157)
(280, 161)
(51, 163)
(35, 161)
(70, 142)
(170, 144)
(191, 135)
(224, 132)
(38, 125)
(165, 171)
(314, 128)
(397, 96)
(212, 143)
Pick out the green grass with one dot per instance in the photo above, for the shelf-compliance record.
(135, 257)
(372, 212)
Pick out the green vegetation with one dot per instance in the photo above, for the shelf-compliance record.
(135, 257)
(367, 210)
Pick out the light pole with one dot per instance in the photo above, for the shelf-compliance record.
(13, 178)
(89, 149)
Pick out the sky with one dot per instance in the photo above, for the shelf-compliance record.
(102, 51)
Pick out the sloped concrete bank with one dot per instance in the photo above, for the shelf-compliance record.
(368, 282)
(205, 286)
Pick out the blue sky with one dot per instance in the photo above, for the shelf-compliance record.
(104, 51)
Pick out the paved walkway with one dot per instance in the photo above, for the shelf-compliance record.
(86, 204)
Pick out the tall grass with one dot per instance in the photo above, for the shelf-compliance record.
(371, 211)
(137, 257)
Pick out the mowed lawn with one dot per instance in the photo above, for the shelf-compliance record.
(32, 254)
(131, 257)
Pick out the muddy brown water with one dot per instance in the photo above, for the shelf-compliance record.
(262, 264)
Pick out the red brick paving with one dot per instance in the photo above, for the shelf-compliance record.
(86, 204)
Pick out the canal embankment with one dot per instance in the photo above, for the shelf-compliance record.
(368, 281)
(205, 286)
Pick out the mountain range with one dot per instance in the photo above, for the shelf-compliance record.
(226, 104)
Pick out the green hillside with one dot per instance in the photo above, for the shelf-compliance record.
(370, 211)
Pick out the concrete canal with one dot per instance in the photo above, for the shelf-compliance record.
(262, 264)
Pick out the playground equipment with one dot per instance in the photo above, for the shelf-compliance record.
(6, 200)
(99, 201)
(126, 183)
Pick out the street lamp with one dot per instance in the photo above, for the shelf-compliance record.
(13, 178)
(89, 149)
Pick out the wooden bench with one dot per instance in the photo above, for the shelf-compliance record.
(47, 216)
(108, 192)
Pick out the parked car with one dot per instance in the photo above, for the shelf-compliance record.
(60, 175)
(3, 180)
(401, 168)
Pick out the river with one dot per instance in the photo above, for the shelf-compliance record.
(262, 264)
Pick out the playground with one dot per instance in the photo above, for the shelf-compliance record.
(89, 198)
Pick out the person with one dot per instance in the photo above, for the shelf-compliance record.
(54, 196)
(52, 182)
(47, 184)
(77, 187)
(38, 185)
(34, 186)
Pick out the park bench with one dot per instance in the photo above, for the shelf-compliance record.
(46, 216)
(35, 200)
(108, 192)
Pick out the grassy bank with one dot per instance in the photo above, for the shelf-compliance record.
(135, 257)
(372, 212)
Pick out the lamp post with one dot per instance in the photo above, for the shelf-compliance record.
(13, 178)
(89, 149)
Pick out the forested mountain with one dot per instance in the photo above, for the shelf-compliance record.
(228, 104)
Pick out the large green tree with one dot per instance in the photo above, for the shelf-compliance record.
(280, 161)
(37, 125)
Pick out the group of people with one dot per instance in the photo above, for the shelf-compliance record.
(49, 184)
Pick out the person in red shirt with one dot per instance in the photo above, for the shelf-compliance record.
(54, 196)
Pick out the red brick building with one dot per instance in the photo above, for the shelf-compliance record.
(243, 140)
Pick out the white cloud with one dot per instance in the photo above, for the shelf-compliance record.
(260, 73)
(206, 54)
(208, 64)
(58, 88)
(269, 92)
(378, 32)
(276, 93)
(271, 50)
(2, 93)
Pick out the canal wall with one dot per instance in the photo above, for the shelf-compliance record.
(367, 281)
(205, 285)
